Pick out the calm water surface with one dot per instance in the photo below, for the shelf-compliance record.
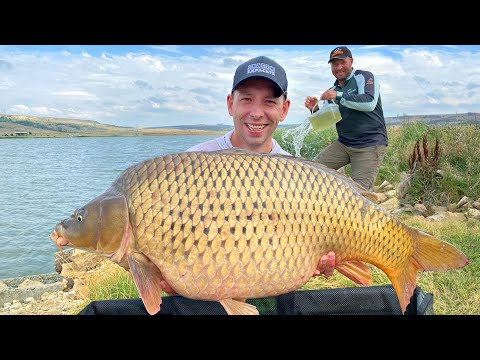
(43, 180)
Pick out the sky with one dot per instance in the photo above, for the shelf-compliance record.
(165, 85)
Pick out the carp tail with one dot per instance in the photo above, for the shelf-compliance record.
(430, 254)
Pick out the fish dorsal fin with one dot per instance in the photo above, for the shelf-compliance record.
(356, 271)
(238, 307)
(235, 151)
(147, 278)
(241, 151)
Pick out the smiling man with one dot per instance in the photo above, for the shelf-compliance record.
(258, 103)
(362, 132)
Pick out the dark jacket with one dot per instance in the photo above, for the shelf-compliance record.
(363, 123)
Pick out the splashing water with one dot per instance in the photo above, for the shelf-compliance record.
(298, 135)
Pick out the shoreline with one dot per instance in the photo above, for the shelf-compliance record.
(145, 133)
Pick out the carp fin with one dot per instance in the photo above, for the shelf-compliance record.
(430, 254)
(369, 195)
(356, 271)
(238, 307)
(147, 278)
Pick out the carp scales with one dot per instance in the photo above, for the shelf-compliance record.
(231, 225)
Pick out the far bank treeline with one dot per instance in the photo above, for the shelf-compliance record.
(33, 126)
(441, 162)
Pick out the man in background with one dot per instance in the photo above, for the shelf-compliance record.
(362, 133)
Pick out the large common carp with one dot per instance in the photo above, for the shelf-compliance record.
(232, 225)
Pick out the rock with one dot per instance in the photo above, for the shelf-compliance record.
(437, 217)
(19, 289)
(391, 204)
(473, 213)
(476, 204)
(422, 209)
(29, 283)
(383, 185)
(378, 197)
(391, 193)
(463, 201)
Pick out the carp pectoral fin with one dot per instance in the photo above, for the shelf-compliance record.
(238, 307)
(147, 278)
(356, 271)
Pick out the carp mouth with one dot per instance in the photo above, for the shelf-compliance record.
(58, 239)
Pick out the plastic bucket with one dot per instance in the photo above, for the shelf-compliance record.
(325, 117)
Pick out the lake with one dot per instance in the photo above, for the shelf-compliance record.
(43, 180)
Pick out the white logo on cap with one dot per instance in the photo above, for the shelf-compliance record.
(261, 67)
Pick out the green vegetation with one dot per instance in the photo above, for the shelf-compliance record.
(458, 166)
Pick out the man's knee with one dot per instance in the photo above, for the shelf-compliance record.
(366, 183)
(333, 156)
(365, 165)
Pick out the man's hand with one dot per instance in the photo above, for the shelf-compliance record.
(326, 265)
(167, 288)
(310, 102)
(329, 95)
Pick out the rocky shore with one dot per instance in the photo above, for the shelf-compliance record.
(61, 293)
(45, 294)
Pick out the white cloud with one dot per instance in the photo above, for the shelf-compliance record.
(163, 85)
(75, 94)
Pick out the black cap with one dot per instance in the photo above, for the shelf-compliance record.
(264, 68)
(340, 52)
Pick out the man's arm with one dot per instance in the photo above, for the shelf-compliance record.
(367, 96)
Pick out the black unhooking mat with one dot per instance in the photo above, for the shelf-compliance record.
(370, 300)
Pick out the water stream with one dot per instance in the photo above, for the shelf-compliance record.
(297, 135)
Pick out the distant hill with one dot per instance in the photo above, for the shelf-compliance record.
(218, 127)
(452, 119)
(32, 126)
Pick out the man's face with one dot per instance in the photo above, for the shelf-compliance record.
(256, 114)
(341, 68)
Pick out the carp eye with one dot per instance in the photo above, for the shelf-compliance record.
(78, 215)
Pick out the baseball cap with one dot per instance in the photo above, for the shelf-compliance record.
(264, 68)
(340, 52)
